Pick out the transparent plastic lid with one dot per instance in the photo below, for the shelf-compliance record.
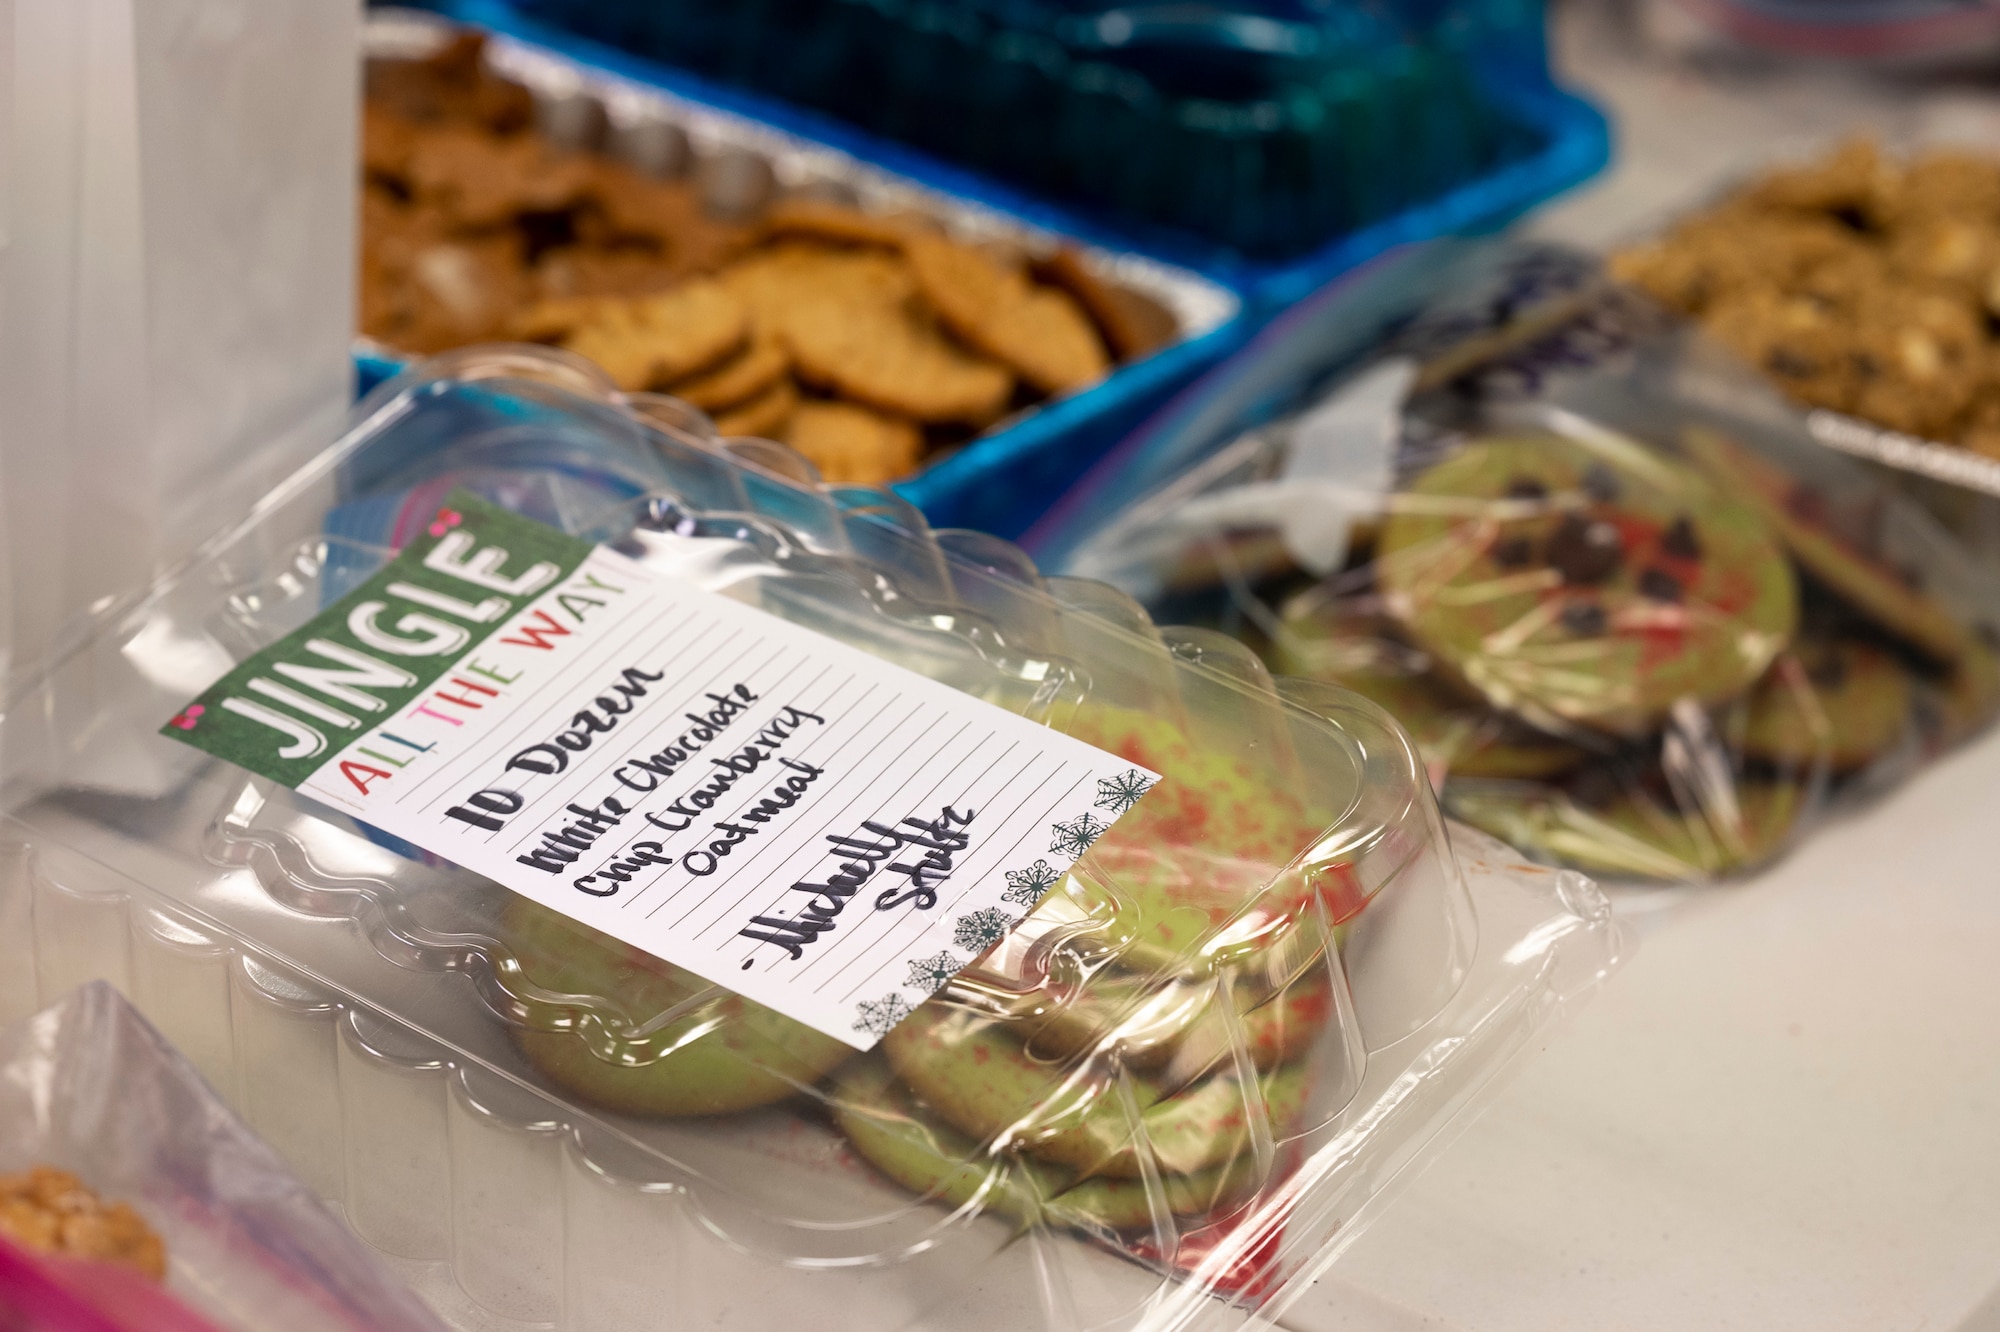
(1250, 998)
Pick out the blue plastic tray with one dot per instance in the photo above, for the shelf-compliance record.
(1003, 481)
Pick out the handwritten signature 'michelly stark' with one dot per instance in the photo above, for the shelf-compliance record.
(940, 839)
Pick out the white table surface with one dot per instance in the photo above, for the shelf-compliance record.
(1784, 1113)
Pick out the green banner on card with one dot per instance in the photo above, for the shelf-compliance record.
(285, 711)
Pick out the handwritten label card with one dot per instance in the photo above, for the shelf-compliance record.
(816, 828)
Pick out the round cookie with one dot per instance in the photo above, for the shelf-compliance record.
(1593, 583)
(1133, 324)
(886, 355)
(1797, 513)
(1971, 695)
(1209, 798)
(854, 445)
(752, 371)
(984, 1083)
(1039, 332)
(729, 1054)
(1809, 349)
(1154, 1022)
(765, 416)
(822, 219)
(1206, 849)
(1457, 736)
(772, 280)
(1633, 836)
(894, 1131)
(1844, 699)
(653, 340)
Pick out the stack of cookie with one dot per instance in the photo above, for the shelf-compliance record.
(1640, 664)
(1155, 1019)
(859, 340)
(867, 342)
(1858, 284)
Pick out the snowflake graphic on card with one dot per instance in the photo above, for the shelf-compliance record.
(930, 973)
(876, 1016)
(1025, 887)
(977, 931)
(1120, 793)
(1074, 838)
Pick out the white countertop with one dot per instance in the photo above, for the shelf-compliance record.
(1784, 1113)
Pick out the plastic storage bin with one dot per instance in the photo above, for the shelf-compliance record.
(1225, 1036)
(1569, 142)
(1266, 130)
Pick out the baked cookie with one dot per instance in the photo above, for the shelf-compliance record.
(590, 1000)
(1133, 324)
(894, 1131)
(444, 293)
(1844, 701)
(766, 416)
(1943, 182)
(1457, 734)
(761, 364)
(1155, 1021)
(1037, 331)
(52, 1211)
(1711, 258)
(984, 1083)
(476, 181)
(774, 279)
(649, 342)
(854, 445)
(1971, 694)
(819, 219)
(1633, 835)
(887, 355)
(1798, 513)
(1853, 180)
(1809, 348)
(1593, 584)
(1962, 253)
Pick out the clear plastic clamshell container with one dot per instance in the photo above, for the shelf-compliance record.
(1165, 1098)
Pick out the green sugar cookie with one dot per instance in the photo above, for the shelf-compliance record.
(1222, 802)
(1205, 851)
(984, 1083)
(1591, 583)
(1457, 735)
(1633, 835)
(1847, 700)
(1153, 1020)
(894, 1131)
(1799, 514)
(724, 1054)
(1971, 694)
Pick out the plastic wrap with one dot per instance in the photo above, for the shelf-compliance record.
(88, 1086)
(1181, 1079)
(1636, 618)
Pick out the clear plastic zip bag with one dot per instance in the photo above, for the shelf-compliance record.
(1638, 621)
(90, 1087)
